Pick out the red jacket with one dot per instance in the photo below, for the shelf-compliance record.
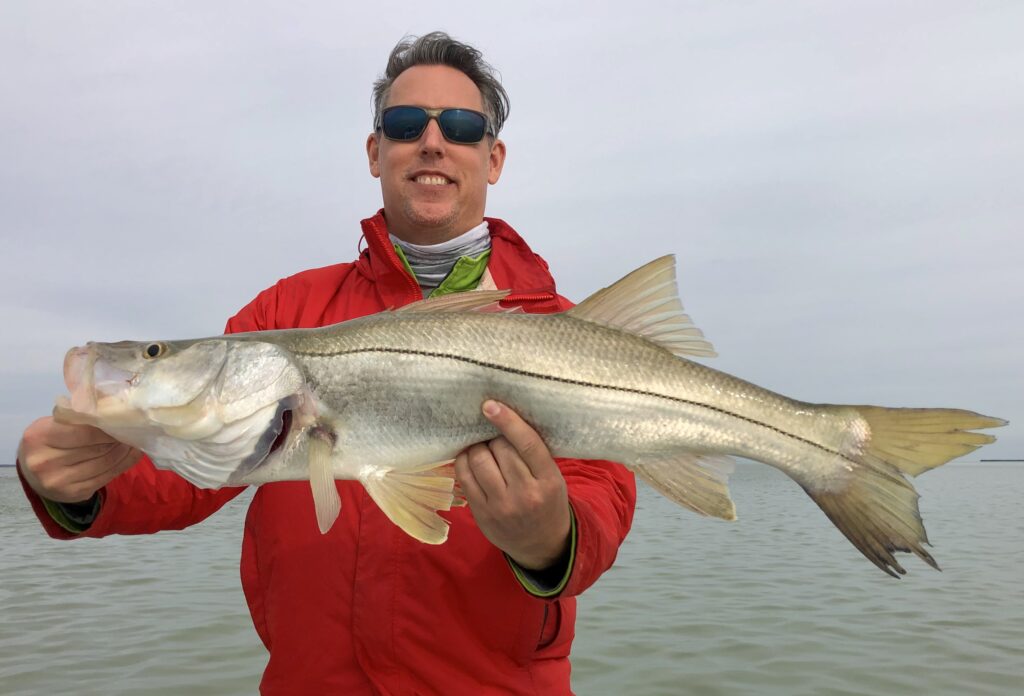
(365, 609)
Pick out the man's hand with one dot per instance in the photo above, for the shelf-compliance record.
(516, 492)
(68, 463)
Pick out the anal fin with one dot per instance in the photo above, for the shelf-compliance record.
(411, 500)
(695, 481)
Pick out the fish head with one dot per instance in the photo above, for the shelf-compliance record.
(208, 409)
(129, 381)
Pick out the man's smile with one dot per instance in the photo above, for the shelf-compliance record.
(431, 178)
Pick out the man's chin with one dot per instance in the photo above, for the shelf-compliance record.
(432, 218)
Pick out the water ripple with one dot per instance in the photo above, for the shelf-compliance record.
(775, 603)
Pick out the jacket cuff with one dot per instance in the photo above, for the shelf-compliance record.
(549, 583)
(50, 525)
(74, 518)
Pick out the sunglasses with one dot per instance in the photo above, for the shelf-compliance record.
(463, 126)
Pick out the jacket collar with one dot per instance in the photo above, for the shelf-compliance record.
(512, 265)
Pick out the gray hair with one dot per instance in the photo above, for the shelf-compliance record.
(437, 48)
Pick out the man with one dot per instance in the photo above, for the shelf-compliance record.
(364, 608)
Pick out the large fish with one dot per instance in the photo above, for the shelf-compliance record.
(389, 399)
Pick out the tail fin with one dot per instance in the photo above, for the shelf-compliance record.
(877, 509)
(915, 440)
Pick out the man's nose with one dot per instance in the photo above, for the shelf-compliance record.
(432, 141)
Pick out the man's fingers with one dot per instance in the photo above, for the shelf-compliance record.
(467, 481)
(131, 458)
(125, 461)
(68, 463)
(61, 436)
(522, 437)
(513, 469)
(81, 455)
(106, 466)
(486, 471)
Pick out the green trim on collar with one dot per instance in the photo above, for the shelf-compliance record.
(528, 579)
(465, 275)
(405, 261)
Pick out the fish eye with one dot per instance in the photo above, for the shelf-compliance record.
(153, 350)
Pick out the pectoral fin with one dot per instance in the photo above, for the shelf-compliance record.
(411, 500)
(325, 493)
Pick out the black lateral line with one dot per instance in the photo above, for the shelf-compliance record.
(566, 380)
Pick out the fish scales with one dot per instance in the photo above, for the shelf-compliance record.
(612, 394)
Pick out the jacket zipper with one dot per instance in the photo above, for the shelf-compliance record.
(543, 625)
(528, 297)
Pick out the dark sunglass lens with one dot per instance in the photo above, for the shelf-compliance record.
(404, 122)
(461, 126)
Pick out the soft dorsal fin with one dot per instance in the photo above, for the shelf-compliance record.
(473, 301)
(646, 303)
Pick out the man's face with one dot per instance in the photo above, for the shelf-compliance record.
(418, 208)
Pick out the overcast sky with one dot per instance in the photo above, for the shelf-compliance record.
(841, 181)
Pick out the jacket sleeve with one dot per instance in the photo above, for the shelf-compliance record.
(602, 496)
(144, 499)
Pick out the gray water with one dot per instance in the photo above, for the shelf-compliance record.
(776, 603)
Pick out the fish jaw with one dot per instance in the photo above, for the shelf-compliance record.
(98, 390)
(78, 377)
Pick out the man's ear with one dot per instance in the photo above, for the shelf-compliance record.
(496, 161)
(373, 154)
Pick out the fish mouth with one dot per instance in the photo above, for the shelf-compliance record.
(78, 377)
(90, 379)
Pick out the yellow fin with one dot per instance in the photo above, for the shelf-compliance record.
(879, 515)
(695, 481)
(321, 479)
(875, 507)
(411, 500)
(915, 440)
(646, 303)
(458, 495)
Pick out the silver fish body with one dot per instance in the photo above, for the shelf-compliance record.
(408, 387)
(387, 398)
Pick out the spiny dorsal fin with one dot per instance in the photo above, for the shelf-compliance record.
(646, 303)
(474, 301)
